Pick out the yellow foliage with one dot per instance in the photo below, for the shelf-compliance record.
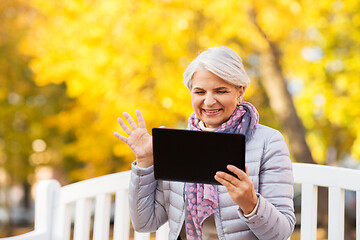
(317, 148)
(117, 56)
(355, 150)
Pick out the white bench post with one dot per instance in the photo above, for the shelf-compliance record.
(358, 215)
(122, 219)
(82, 219)
(163, 232)
(141, 236)
(102, 217)
(46, 192)
(336, 213)
(309, 200)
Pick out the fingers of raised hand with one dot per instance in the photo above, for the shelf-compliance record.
(121, 138)
(140, 119)
(123, 126)
(130, 121)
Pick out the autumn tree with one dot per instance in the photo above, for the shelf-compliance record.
(24, 108)
(115, 56)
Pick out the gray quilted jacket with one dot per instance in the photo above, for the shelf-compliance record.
(152, 202)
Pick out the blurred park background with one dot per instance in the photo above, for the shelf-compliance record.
(69, 68)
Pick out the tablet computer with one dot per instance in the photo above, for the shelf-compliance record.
(195, 156)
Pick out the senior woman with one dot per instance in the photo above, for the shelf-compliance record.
(257, 204)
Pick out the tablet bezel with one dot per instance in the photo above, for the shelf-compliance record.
(193, 156)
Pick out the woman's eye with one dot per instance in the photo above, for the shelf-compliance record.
(199, 92)
(222, 92)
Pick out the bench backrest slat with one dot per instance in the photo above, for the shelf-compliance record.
(82, 219)
(121, 216)
(358, 215)
(141, 236)
(163, 232)
(66, 223)
(309, 200)
(102, 217)
(336, 213)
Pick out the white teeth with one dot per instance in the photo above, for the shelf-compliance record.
(211, 111)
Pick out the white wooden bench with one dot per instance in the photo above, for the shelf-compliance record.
(85, 208)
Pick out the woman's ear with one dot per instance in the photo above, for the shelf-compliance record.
(242, 90)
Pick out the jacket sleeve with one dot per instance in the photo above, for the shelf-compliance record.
(275, 218)
(146, 200)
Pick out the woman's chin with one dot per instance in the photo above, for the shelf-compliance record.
(212, 124)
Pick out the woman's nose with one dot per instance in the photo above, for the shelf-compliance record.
(209, 100)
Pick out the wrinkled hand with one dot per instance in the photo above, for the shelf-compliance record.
(139, 140)
(241, 189)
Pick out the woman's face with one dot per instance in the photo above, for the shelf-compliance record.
(213, 99)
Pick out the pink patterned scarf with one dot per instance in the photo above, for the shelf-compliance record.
(201, 199)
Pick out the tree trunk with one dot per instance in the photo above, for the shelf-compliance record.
(7, 226)
(283, 106)
(26, 202)
(281, 101)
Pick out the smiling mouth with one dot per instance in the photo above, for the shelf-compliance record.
(212, 111)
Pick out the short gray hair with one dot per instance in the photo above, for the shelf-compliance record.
(221, 61)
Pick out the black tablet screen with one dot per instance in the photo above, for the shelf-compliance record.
(195, 156)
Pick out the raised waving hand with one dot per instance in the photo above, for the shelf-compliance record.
(139, 140)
